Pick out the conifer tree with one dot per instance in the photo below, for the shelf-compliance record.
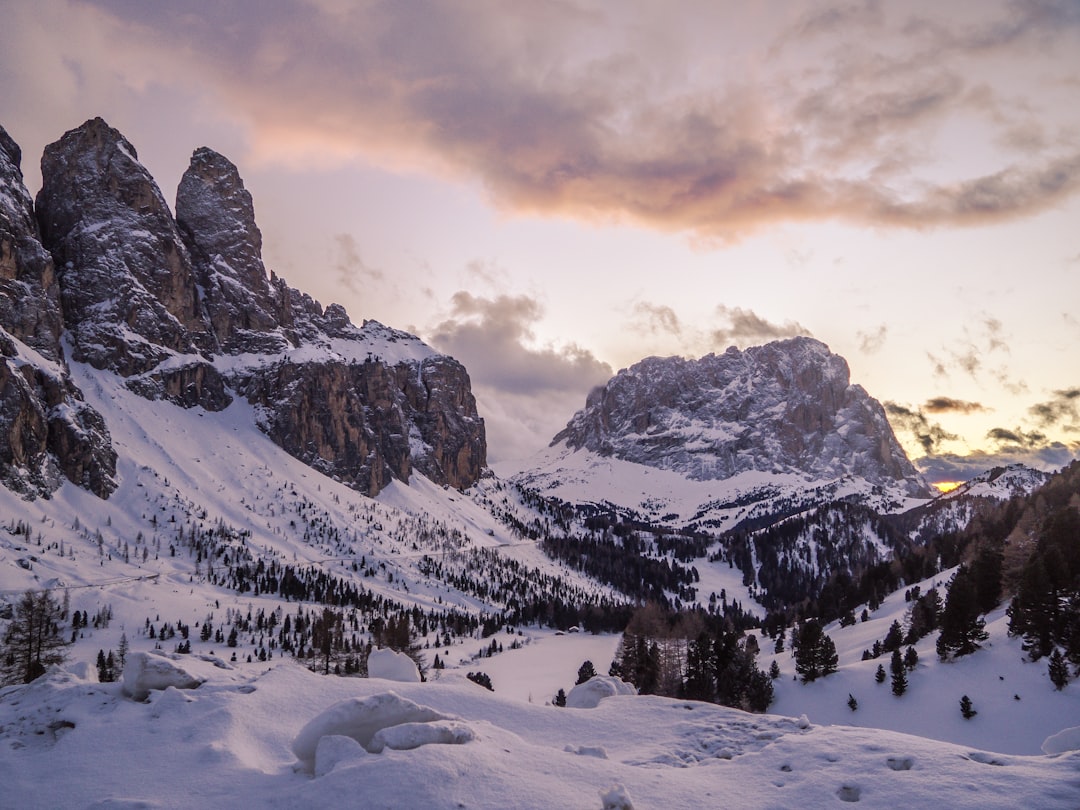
(899, 674)
(585, 671)
(560, 697)
(815, 652)
(879, 675)
(961, 628)
(1059, 670)
(32, 640)
(966, 708)
(911, 658)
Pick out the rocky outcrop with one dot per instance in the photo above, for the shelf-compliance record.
(184, 310)
(29, 294)
(128, 292)
(47, 431)
(788, 406)
(216, 218)
(366, 423)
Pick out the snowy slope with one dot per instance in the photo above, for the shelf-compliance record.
(70, 743)
(229, 741)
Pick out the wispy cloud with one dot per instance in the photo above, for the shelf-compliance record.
(872, 342)
(654, 318)
(744, 327)
(950, 405)
(1063, 409)
(579, 111)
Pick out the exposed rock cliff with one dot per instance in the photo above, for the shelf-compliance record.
(183, 309)
(128, 294)
(788, 406)
(46, 429)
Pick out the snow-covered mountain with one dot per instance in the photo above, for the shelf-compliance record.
(744, 437)
(188, 453)
(787, 407)
(182, 308)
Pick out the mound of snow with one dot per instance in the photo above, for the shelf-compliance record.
(1065, 740)
(392, 666)
(589, 694)
(144, 672)
(407, 736)
(361, 719)
(334, 750)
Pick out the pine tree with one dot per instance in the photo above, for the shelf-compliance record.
(585, 671)
(879, 675)
(122, 651)
(899, 674)
(961, 628)
(911, 658)
(32, 641)
(965, 708)
(774, 670)
(700, 682)
(560, 698)
(894, 638)
(1059, 670)
(815, 652)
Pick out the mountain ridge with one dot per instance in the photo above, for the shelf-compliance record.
(182, 309)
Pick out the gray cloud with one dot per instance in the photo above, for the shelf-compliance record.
(352, 272)
(1017, 438)
(913, 421)
(578, 111)
(950, 405)
(1063, 409)
(950, 467)
(526, 394)
(745, 327)
(871, 342)
(655, 318)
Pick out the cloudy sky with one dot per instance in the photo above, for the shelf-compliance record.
(552, 190)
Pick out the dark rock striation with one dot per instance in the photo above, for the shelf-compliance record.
(184, 311)
(785, 407)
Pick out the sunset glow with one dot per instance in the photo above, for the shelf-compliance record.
(551, 192)
(946, 486)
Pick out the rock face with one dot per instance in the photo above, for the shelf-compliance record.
(128, 293)
(788, 406)
(183, 309)
(46, 429)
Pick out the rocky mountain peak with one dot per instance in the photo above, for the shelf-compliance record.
(47, 431)
(128, 293)
(29, 296)
(785, 407)
(216, 218)
(184, 310)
